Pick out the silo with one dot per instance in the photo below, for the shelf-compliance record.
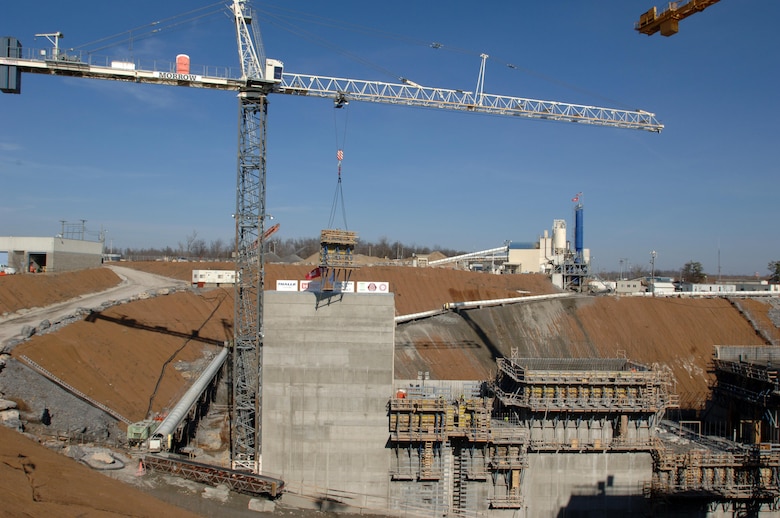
(578, 230)
(559, 236)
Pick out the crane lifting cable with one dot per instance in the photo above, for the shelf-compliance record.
(340, 107)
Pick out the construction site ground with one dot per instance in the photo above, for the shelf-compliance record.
(137, 355)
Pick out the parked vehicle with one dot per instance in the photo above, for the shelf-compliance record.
(7, 270)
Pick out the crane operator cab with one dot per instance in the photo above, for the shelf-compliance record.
(273, 70)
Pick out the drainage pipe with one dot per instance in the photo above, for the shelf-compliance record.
(501, 302)
(179, 412)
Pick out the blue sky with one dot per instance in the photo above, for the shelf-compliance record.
(153, 164)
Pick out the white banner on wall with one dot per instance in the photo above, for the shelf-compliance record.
(373, 287)
(286, 285)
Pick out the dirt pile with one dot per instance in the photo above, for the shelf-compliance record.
(37, 482)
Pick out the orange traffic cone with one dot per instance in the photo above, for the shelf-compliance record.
(141, 470)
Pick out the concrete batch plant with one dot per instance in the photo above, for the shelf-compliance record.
(553, 255)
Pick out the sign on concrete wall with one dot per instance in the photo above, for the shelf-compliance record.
(286, 285)
(341, 287)
(373, 287)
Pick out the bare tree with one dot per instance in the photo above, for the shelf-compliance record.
(198, 248)
(217, 249)
(189, 240)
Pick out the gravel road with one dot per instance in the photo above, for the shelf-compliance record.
(134, 283)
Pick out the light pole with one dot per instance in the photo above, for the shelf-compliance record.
(652, 269)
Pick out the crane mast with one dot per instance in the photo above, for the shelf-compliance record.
(259, 78)
(247, 347)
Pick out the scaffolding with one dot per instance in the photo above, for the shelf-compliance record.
(585, 404)
(749, 475)
(748, 386)
(744, 475)
(539, 405)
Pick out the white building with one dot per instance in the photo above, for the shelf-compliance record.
(51, 254)
(708, 288)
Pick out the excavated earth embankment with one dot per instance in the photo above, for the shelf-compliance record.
(138, 357)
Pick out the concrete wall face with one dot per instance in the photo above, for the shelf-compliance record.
(65, 262)
(327, 378)
(586, 484)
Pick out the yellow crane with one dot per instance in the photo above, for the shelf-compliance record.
(667, 22)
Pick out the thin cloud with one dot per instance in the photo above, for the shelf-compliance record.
(9, 146)
(157, 98)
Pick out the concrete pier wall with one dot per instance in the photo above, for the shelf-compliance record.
(327, 378)
(580, 484)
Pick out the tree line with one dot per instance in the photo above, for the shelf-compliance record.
(692, 272)
(194, 248)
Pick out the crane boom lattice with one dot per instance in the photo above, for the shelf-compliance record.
(449, 99)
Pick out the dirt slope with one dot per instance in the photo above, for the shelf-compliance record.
(37, 482)
(122, 354)
(29, 291)
(137, 355)
(415, 289)
(678, 333)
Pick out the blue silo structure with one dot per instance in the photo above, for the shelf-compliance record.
(579, 246)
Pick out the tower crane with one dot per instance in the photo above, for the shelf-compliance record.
(667, 22)
(261, 77)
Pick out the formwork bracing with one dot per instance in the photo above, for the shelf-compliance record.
(337, 256)
(454, 442)
(743, 476)
(752, 474)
